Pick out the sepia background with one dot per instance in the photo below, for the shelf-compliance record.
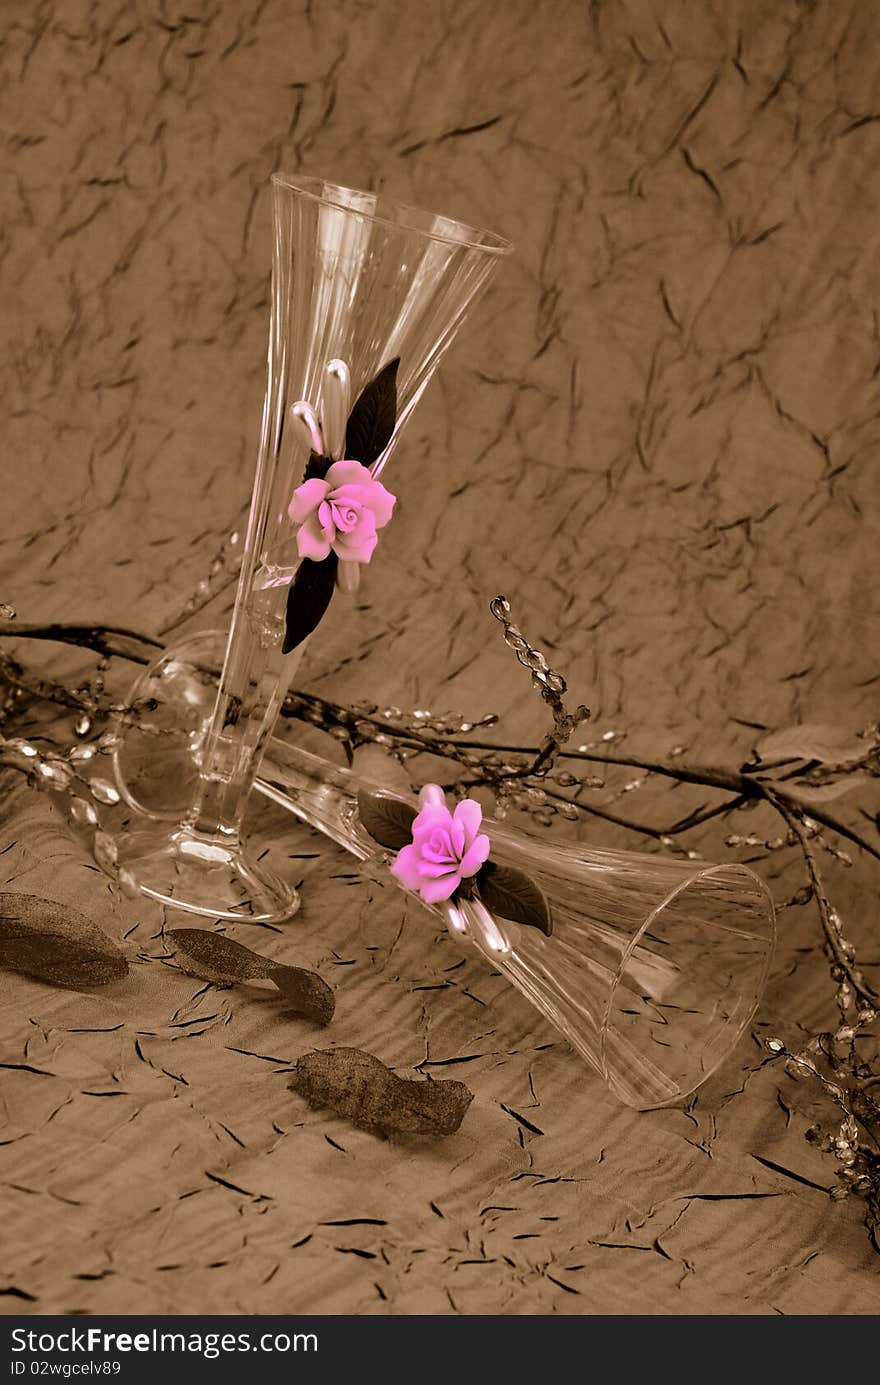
(658, 436)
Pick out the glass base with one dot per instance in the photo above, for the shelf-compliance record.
(202, 876)
(157, 763)
(158, 757)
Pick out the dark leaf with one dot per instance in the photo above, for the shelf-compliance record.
(514, 895)
(317, 467)
(388, 820)
(371, 421)
(305, 992)
(308, 597)
(216, 958)
(360, 1088)
(234, 707)
(56, 943)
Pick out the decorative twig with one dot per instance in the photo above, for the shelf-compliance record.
(551, 686)
(223, 571)
(41, 689)
(363, 724)
(109, 640)
(840, 952)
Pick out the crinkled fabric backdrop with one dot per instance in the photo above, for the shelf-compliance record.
(658, 436)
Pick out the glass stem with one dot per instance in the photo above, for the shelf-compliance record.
(255, 680)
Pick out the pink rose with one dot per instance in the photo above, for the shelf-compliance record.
(341, 512)
(446, 848)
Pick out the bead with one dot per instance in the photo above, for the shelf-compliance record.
(83, 725)
(79, 754)
(55, 774)
(103, 791)
(23, 747)
(128, 884)
(104, 851)
(82, 813)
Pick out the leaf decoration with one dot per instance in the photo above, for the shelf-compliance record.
(360, 1088)
(56, 943)
(388, 820)
(824, 793)
(308, 597)
(514, 895)
(216, 958)
(317, 467)
(831, 745)
(371, 421)
(234, 708)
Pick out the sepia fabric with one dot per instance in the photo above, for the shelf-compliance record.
(658, 436)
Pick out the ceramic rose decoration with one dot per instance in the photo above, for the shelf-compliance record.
(340, 506)
(443, 856)
(341, 513)
(447, 848)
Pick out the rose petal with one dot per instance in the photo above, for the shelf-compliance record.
(438, 847)
(347, 515)
(357, 547)
(354, 492)
(372, 495)
(345, 472)
(469, 813)
(406, 868)
(307, 498)
(311, 541)
(433, 870)
(476, 854)
(326, 522)
(432, 891)
(432, 819)
(456, 837)
(382, 504)
(431, 815)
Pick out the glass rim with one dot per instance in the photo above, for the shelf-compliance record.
(702, 872)
(416, 218)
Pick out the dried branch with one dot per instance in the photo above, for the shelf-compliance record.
(362, 724)
(840, 953)
(108, 640)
